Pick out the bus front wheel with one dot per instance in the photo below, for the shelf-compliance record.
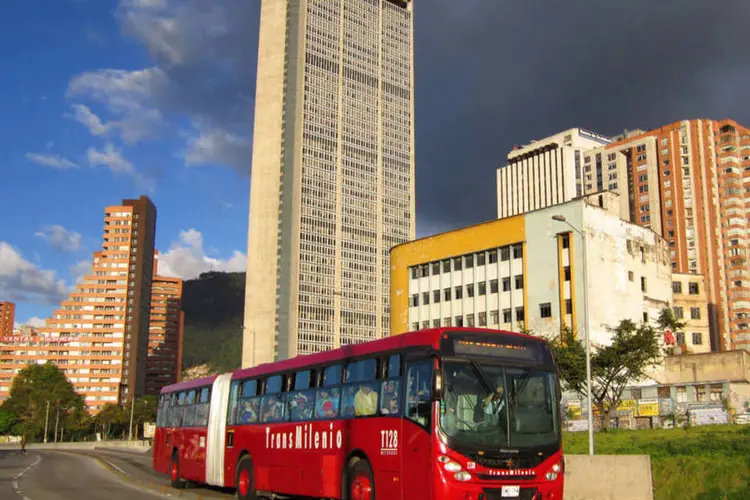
(361, 482)
(245, 481)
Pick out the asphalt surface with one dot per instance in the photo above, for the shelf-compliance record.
(47, 475)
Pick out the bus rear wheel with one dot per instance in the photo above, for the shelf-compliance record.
(361, 483)
(244, 480)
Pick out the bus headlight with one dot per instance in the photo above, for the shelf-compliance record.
(462, 476)
(554, 472)
(452, 466)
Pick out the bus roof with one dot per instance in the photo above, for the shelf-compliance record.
(426, 337)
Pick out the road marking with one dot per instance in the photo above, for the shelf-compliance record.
(16, 486)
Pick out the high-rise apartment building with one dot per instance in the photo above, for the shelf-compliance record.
(687, 181)
(7, 318)
(166, 324)
(332, 185)
(99, 335)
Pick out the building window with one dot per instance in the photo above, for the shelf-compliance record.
(545, 310)
(682, 394)
(645, 317)
(447, 266)
(436, 323)
(469, 261)
(435, 268)
(415, 326)
(480, 259)
(506, 284)
(458, 292)
(566, 273)
(414, 301)
(568, 306)
(425, 298)
(505, 253)
(415, 272)
(680, 338)
(459, 321)
(631, 276)
(425, 324)
(493, 286)
(457, 264)
(506, 316)
(717, 391)
(470, 320)
(695, 313)
(676, 287)
(697, 338)
(482, 288)
(663, 392)
(635, 393)
(495, 317)
(493, 257)
(482, 319)
(519, 314)
(446, 322)
(700, 393)
(644, 284)
(677, 312)
(436, 296)
(470, 290)
(518, 252)
(447, 294)
(566, 240)
(693, 288)
(519, 282)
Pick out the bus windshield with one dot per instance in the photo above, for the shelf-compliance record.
(493, 406)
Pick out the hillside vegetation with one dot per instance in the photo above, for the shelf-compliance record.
(214, 305)
(710, 462)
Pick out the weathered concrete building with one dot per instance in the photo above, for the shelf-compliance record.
(530, 271)
(690, 305)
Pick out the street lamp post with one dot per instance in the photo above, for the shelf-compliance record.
(561, 218)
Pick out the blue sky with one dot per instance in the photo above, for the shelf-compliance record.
(102, 100)
(99, 104)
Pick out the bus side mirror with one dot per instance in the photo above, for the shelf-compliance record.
(437, 385)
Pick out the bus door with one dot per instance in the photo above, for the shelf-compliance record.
(416, 431)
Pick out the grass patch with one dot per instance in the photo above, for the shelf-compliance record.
(709, 462)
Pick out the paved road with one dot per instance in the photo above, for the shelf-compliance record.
(62, 476)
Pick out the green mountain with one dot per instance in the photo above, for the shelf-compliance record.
(214, 309)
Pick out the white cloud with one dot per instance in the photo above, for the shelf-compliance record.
(53, 161)
(203, 73)
(60, 238)
(80, 269)
(23, 281)
(113, 159)
(217, 146)
(35, 321)
(83, 114)
(187, 258)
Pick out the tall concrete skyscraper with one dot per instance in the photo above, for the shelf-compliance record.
(332, 182)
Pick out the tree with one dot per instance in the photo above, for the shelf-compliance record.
(112, 420)
(634, 349)
(35, 386)
(668, 321)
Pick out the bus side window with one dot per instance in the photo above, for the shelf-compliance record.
(272, 404)
(327, 402)
(249, 403)
(331, 376)
(234, 393)
(188, 417)
(202, 407)
(390, 397)
(419, 391)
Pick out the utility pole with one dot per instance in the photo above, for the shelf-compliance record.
(57, 421)
(132, 406)
(46, 423)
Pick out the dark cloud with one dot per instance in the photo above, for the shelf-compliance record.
(491, 74)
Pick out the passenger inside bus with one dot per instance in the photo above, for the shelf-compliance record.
(365, 401)
(327, 404)
(389, 400)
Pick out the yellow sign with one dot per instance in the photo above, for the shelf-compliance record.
(648, 409)
(627, 404)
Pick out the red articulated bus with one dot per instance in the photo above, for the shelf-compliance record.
(447, 413)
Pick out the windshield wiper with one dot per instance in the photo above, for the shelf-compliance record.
(482, 376)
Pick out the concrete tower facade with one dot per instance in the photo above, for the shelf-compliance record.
(332, 183)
